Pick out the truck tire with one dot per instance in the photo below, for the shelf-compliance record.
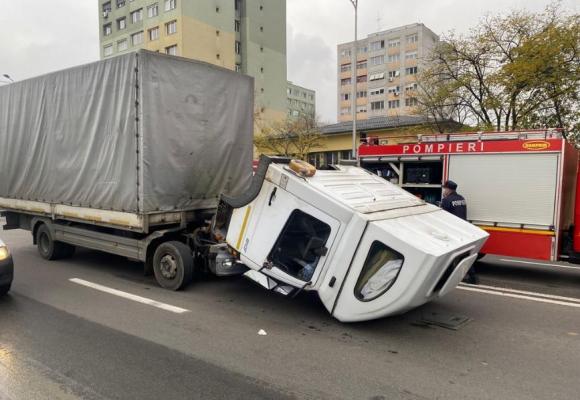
(4, 289)
(173, 265)
(50, 249)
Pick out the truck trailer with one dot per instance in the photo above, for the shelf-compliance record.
(521, 187)
(149, 157)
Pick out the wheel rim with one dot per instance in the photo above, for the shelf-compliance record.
(168, 267)
(44, 243)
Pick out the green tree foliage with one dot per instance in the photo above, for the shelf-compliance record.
(292, 137)
(521, 70)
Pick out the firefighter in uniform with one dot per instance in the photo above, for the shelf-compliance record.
(455, 203)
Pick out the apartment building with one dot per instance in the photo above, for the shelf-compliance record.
(301, 101)
(248, 36)
(387, 64)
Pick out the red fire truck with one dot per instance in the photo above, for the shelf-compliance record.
(521, 187)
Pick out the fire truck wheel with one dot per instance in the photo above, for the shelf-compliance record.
(173, 265)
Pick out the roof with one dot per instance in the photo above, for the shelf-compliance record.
(360, 190)
(376, 123)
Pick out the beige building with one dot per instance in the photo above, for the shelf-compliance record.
(387, 64)
(248, 36)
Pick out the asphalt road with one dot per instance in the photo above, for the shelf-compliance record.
(63, 340)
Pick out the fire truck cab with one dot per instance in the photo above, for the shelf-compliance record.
(521, 187)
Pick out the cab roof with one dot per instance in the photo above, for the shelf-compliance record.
(360, 190)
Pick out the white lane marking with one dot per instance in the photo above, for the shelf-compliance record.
(524, 292)
(519, 296)
(129, 296)
(538, 263)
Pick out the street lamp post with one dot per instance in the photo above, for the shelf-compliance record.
(354, 57)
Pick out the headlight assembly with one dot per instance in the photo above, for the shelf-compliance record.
(4, 253)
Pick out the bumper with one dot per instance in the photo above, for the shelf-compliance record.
(6, 271)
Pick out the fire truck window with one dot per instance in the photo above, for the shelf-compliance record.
(300, 245)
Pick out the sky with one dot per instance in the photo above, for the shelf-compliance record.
(39, 36)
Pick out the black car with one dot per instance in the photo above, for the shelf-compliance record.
(6, 269)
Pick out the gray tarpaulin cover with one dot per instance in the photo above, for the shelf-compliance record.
(138, 133)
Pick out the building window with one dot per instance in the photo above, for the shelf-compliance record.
(154, 33)
(378, 45)
(345, 53)
(238, 67)
(362, 50)
(120, 3)
(361, 79)
(411, 87)
(376, 92)
(394, 89)
(237, 25)
(346, 81)
(171, 27)
(153, 10)
(411, 71)
(394, 74)
(411, 55)
(377, 77)
(121, 23)
(345, 96)
(345, 68)
(414, 38)
(108, 50)
(377, 105)
(362, 94)
(107, 8)
(394, 43)
(107, 29)
(394, 58)
(361, 65)
(171, 50)
(137, 15)
(411, 102)
(122, 45)
(345, 111)
(170, 5)
(137, 38)
(361, 109)
(394, 103)
(238, 47)
(378, 60)
(261, 29)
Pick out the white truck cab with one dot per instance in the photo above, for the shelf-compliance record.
(367, 247)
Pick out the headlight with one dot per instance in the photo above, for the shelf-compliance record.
(379, 273)
(4, 253)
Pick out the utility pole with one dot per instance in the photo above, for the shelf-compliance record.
(354, 57)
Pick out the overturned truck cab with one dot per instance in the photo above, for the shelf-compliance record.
(367, 247)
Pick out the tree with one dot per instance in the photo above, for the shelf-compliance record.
(292, 137)
(509, 72)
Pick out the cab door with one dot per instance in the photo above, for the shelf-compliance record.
(290, 238)
(370, 287)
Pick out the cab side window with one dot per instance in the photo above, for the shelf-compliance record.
(300, 246)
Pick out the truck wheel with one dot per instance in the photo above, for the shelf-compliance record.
(173, 265)
(50, 249)
(4, 289)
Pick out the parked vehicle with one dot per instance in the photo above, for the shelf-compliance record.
(6, 269)
(164, 176)
(521, 187)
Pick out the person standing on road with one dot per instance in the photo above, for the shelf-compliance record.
(455, 204)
